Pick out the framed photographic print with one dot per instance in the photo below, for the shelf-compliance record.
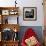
(5, 12)
(13, 12)
(30, 13)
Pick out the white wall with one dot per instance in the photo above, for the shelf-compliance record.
(32, 3)
(26, 3)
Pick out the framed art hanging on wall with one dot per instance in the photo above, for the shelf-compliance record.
(29, 13)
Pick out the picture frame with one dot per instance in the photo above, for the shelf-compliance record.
(29, 13)
(5, 12)
(13, 12)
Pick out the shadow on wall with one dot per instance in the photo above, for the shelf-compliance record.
(37, 29)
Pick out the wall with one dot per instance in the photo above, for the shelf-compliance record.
(27, 3)
(34, 3)
(44, 12)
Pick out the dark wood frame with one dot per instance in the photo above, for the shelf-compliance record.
(5, 11)
(11, 26)
(30, 19)
(15, 9)
(9, 9)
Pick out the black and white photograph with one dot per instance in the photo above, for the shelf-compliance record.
(30, 13)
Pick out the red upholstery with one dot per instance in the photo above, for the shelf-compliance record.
(29, 33)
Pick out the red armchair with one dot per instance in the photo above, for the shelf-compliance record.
(28, 36)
